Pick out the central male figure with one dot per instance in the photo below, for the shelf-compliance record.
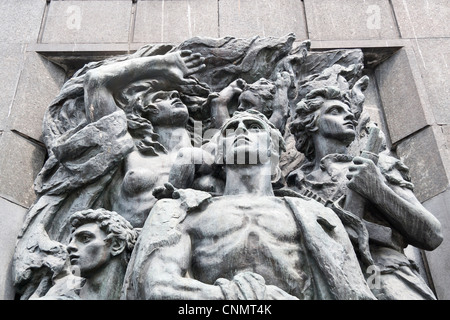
(247, 244)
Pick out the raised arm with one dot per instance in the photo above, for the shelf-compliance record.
(219, 104)
(101, 83)
(281, 101)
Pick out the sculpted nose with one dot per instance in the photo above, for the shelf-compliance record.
(71, 248)
(241, 128)
(174, 95)
(349, 116)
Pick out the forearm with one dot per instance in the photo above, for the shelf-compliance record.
(101, 83)
(281, 108)
(219, 111)
(419, 226)
(119, 74)
(278, 118)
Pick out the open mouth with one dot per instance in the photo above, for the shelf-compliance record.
(74, 259)
(349, 123)
(177, 103)
(241, 138)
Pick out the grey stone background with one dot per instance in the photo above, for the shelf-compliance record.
(406, 42)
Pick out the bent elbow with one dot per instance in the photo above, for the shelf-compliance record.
(433, 236)
(93, 78)
(436, 237)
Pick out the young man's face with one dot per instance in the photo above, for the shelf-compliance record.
(88, 249)
(250, 100)
(246, 140)
(336, 121)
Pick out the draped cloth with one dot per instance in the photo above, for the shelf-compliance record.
(74, 178)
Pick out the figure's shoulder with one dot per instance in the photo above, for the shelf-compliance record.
(183, 199)
(305, 202)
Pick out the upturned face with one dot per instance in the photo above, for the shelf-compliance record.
(250, 100)
(165, 108)
(246, 140)
(336, 121)
(88, 249)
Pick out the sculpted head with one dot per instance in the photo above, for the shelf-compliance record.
(97, 237)
(324, 113)
(148, 105)
(250, 138)
(258, 96)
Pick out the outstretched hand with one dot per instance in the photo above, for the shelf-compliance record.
(182, 64)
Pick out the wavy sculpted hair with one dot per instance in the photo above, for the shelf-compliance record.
(306, 117)
(110, 222)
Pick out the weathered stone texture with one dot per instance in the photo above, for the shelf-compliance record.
(444, 146)
(20, 23)
(32, 97)
(439, 259)
(11, 62)
(11, 219)
(421, 154)
(19, 167)
(433, 58)
(350, 20)
(422, 18)
(155, 20)
(403, 105)
(266, 18)
(87, 22)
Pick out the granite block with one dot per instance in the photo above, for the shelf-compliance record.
(175, 21)
(422, 18)
(433, 57)
(350, 20)
(439, 259)
(11, 220)
(88, 22)
(20, 21)
(420, 152)
(403, 100)
(11, 64)
(266, 18)
(39, 83)
(19, 166)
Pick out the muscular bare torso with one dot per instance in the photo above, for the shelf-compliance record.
(256, 234)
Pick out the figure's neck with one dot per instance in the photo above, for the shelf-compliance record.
(106, 284)
(248, 180)
(173, 139)
(325, 146)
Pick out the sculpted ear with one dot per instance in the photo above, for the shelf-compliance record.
(117, 246)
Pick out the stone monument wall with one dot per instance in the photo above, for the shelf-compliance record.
(406, 45)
